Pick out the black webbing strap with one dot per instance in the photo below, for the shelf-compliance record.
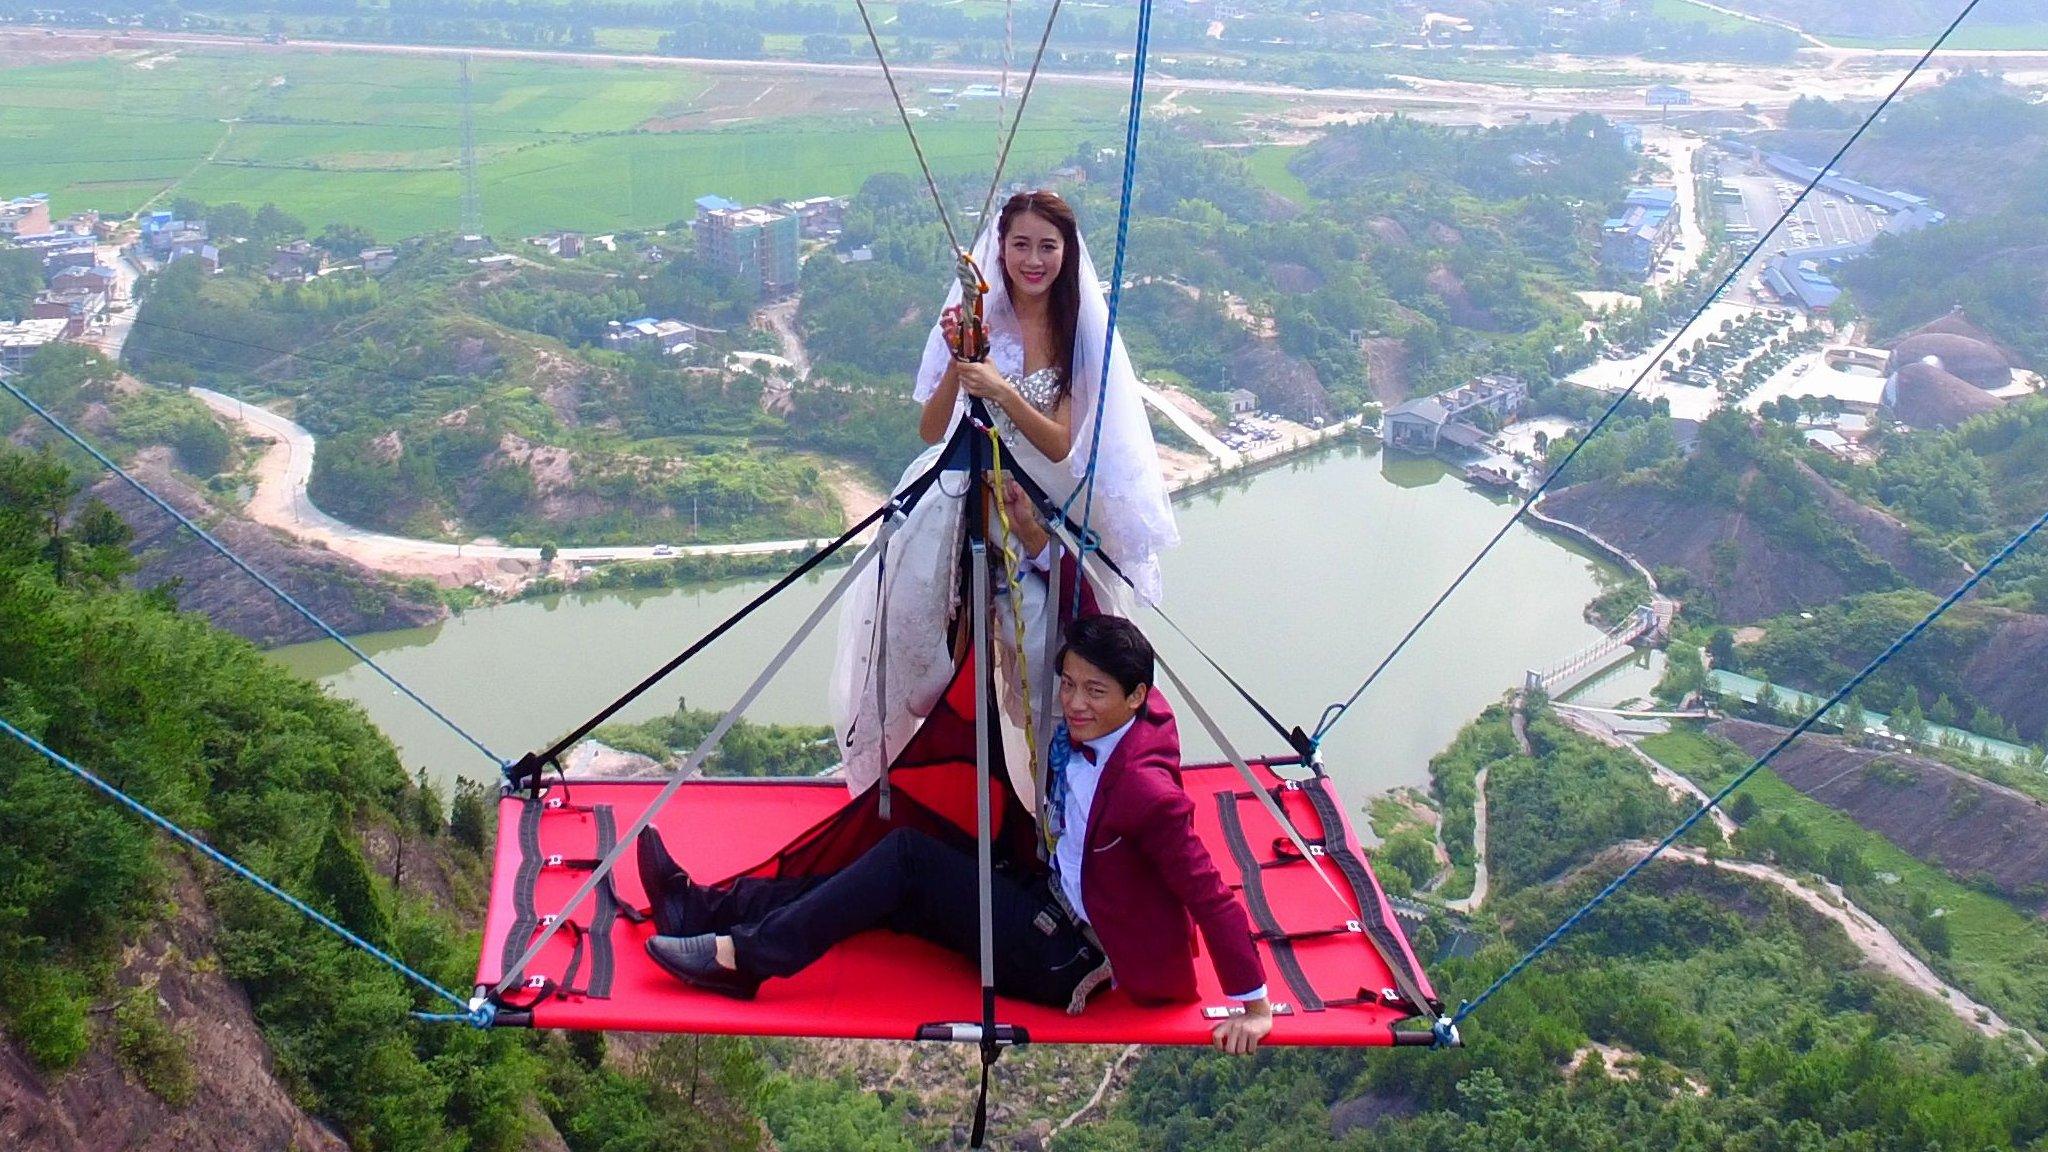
(1349, 927)
(1338, 849)
(525, 916)
(620, 904)
(988, 1063)
(526, 773)
(606, 913)
(547, 987)
(1262, 913)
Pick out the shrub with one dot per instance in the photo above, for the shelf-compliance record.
(151, 1051)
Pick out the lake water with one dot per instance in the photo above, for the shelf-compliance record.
(1298, 580)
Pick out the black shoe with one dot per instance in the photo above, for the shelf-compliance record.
(694, 961)
(657, 869)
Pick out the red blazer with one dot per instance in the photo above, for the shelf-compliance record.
(1148, 880)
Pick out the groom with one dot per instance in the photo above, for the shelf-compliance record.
(1129, 885)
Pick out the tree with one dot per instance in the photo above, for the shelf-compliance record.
(548, 552)
(1743, 808)
(1850, 715)
(469, 816)
(1722, 651)
(341, 877)
(1933, 933)
(345, 241)
(1906, 721)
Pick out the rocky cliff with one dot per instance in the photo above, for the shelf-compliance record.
(347, 595)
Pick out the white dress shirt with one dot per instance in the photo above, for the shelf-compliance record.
(1072, 850)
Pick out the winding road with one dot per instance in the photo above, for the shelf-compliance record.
(281, 501)
(1879, 947)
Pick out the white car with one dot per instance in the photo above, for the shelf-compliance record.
(664, 550)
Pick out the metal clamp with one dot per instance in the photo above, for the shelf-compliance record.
(1227, 1011)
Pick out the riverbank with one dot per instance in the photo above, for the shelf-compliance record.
(285, 470)
(1360, 550)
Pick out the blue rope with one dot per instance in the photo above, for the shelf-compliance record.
(1116, 285)
(480, 1015)
(1841, 694)
(238, 562)
(1336, 712)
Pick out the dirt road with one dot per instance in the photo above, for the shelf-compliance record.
(1880, 948)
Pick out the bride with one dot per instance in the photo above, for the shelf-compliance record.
(1042, 382)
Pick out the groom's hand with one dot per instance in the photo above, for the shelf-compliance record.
(1024, 521)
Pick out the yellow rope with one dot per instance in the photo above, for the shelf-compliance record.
(1015, 585)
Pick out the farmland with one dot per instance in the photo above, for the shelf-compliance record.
(337, 139)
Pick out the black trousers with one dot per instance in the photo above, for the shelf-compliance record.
(912, 883)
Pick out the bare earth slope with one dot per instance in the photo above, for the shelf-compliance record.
(1751, 572)
(345, 594)
(1947, 817)
(239, 1105)
(2008, 673)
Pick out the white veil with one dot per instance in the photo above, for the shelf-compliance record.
(1130, 510)
(895, 656)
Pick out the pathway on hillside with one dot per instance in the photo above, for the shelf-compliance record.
(1768, 21)
(1879, 946)
(1678, 786)
(281, 501)
(1223, 454)
(1519, 721)
(1883, 950)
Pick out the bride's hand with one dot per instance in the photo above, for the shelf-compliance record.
(949, 326)
(981, 380)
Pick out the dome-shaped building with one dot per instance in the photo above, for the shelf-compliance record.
(1975, 361)
(1925, 394)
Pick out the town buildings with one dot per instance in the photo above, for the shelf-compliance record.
(1799, 274)
(25, 216)
(1633, 240)
(668, 337)
(757, 245)
(19, 341)
(1448, 421)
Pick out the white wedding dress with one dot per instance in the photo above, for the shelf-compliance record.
(916, 583)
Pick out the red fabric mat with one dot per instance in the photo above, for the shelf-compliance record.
(882, 985)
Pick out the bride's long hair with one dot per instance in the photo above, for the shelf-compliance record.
(1064, 300)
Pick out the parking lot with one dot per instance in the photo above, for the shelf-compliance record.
(1824, 220)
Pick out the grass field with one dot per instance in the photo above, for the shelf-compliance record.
(1269, 164)
(1997, 952)
(1687, 12)
(375, 140)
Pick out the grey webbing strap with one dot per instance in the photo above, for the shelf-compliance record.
(1398, 971)
(984, 822)
(1395, 968)
(1237, 761)
(631, 835)
(1039, 771)
(888, 529)
(1103, 576)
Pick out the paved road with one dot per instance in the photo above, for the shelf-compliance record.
(113, 335)
(1678, 786)
(1224, 455)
